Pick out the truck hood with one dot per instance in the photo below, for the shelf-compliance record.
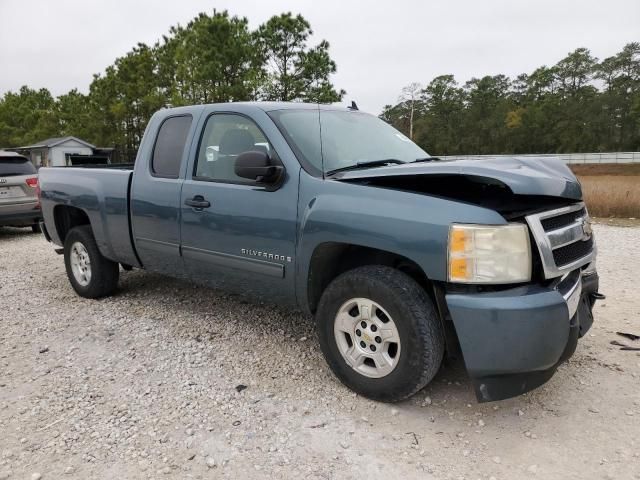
(541, 176)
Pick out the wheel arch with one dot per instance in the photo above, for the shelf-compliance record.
(67, 217)
(330, 259)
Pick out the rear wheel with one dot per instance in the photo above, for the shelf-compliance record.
(91, 275)
(35, 228)
(380, 333)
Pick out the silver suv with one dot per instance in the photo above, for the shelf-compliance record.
(19, 203)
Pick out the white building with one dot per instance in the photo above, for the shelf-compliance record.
(60, 152)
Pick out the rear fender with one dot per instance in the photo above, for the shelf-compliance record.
(103, 197)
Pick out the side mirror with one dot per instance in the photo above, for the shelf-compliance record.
(257, 166)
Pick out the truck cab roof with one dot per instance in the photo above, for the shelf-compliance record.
(264, 106)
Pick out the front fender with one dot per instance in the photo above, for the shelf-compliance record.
(412, 225)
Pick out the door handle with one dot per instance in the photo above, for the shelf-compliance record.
(198, 202)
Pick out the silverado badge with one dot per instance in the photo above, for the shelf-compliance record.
(265, 255)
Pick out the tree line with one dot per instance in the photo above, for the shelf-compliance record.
(580, 104)
(214, 58)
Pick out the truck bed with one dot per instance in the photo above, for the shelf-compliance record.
(103, 195)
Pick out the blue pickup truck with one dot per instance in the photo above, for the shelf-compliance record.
(402, 258)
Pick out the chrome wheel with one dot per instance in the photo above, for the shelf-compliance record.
(80, 264)
(367, 337)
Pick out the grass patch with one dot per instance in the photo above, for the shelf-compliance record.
(612, 195)
(589, 169)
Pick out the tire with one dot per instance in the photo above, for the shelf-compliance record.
(35, 228)
(419, 351)
(103, 273)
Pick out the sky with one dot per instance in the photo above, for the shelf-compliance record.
(379, 46)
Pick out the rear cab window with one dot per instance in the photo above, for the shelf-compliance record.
(169, 147)
(13, 166)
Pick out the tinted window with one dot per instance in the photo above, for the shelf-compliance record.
(16, 166)
(225, 137)
(167, 153)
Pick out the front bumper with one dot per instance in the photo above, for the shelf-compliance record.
(513, 340)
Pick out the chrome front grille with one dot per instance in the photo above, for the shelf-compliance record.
(553, 223)
(564, 239)
(572, 252)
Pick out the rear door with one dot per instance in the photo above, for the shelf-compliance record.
(18, 182)
(155, 194)
(242, 237)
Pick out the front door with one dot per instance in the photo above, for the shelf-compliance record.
(238, 235)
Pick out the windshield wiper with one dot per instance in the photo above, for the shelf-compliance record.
(426, 159)
(373, 163)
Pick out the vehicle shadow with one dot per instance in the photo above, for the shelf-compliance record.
(183, 297)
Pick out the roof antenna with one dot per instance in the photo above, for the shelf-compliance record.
(353, 106)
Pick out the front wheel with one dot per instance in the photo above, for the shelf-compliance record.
(380, 333)
(91, 275)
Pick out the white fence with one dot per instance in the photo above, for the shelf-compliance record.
(610, 157)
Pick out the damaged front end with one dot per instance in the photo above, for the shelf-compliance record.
(513, 339)
(514, 336)
(516, 184)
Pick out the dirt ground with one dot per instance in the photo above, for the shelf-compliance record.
(149, 384)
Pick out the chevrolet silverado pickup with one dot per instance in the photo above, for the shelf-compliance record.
(402, 258)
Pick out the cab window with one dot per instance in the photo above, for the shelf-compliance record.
(225, 137)
(169, 147)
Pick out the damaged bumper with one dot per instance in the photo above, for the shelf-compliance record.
(512, 341)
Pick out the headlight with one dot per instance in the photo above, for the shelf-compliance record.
(489, 254)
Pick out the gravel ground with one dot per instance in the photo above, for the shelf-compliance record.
(168, 380)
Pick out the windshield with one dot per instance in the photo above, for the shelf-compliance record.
(16, 166)
(333, 139)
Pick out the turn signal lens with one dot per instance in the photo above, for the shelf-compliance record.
(489, 254)
(458, 240)
(459, 268)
